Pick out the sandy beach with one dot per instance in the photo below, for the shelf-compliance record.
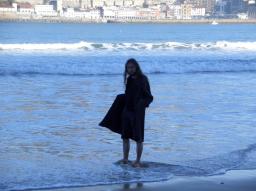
(235, 180)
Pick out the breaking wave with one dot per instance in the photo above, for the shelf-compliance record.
(79, 67)
(135, 46)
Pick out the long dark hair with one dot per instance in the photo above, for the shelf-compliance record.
(139, 72)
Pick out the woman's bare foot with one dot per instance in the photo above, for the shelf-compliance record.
(123, 161)
(136, 164)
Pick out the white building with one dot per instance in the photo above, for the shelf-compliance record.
(110, 12)
(25, 9)
(242, 16)
(93, 14)
(5, 7)
(130, 13)
(71, 3)
(186, 11)
(119, 3)
(45, 10)
(138, 3)
(109, 3)
(128, 3)
(86, 4)
(127, 13)
(98, 3)
(32, 2)
(124, 13)
(59, 6)
(197, 12)
(174, 12)
(70, 12)
(149, 13)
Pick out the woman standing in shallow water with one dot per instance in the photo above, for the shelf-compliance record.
(127, 114)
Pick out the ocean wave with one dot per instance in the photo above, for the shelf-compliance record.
(79, 67)
(133, 46)
(29, 73)
(220, 164)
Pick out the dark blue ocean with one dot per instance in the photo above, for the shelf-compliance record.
(57, 82)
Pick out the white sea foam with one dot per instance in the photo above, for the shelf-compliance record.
(136, 46)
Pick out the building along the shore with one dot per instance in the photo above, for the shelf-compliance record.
(32, 2)
(131, 13)
(6, 7)
(94, 14)
(252, 9)
(25, 9)
(45, 10)
(207, 4)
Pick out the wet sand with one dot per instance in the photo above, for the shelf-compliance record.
(235, 180)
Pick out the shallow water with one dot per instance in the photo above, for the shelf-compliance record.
(200, 123)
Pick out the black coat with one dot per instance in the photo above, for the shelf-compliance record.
(113, 118)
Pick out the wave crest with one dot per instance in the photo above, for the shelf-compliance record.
(136, 46)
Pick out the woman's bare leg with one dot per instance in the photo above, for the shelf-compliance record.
(126, 149)
(139, 150)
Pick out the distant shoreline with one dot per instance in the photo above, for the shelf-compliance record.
(4, 18)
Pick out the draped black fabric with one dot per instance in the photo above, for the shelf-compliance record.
(126, 115)
(132, 93)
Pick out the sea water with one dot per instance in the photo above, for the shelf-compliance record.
(57, 81)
